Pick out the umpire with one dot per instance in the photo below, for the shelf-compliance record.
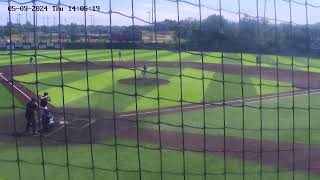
(30, 116)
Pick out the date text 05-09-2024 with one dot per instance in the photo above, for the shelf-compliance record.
(53, 8)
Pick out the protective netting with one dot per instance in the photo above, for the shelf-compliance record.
(141, 91)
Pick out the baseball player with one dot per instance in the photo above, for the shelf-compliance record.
(144, 72)
(46, 120)
(46, 116)
(120, 55)
(44, 99)
(31, 60)
(258, 59)
(30, 116)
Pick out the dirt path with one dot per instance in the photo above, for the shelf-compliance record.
(286, 156)
(82, 129)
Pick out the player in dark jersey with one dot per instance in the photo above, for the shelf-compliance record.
(46, 120)
(44, 99)
(120, 55)
(258, 59)
(30, 116)
(144, 72)
(31, 60)
(44, 111)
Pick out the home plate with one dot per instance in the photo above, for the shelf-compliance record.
(64, 122)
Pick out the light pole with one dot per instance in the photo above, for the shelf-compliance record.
(152, 17)
(152, 11)
(150, 25)
(19, 23)
(26, 38)
(43, 21)
(149, 17)
(49, 31)
(92, 25)
(19, 16)
(265, 9)
(26, 17)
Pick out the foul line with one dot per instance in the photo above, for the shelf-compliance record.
(86, 125)
(248, 100)
(25, 95)
(56, 130)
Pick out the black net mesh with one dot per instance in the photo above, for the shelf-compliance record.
(159, 89)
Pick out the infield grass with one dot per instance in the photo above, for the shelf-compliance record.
(100, 86)
(6, 102)
(291, 116)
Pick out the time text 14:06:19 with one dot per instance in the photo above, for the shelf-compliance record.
(54, 8)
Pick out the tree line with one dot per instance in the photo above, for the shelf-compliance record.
(214, 33)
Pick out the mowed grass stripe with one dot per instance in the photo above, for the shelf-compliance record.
(290, 124)
(6, 102)
(104, 54)
(127, 160)
(164, 90)
(104, 100)
(185, 57)
(129, 54)
(213, 57)
(171, 91)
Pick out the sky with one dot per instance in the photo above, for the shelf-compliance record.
(165, 9)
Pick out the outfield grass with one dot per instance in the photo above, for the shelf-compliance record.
(52, 56)
(239, 121)
(104, 158)
(101, 85)
(6, 102)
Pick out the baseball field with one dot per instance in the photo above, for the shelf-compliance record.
(194, 116)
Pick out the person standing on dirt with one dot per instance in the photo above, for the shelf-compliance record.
(30, 116)
(120, 55)
(144, 72)
(46, 120)
(44, 110)
(31, 60)
(258, 59)
(44, 100)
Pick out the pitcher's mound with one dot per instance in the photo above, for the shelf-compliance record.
(143, 81)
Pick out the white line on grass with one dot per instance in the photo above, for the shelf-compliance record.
(25, 95)
(250, 100)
